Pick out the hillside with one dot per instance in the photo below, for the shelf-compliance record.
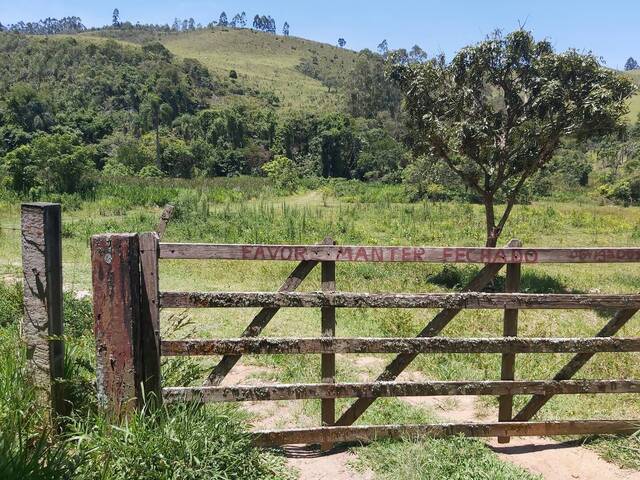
(263, 61)
(634, 105)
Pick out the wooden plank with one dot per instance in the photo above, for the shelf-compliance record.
(165, 217)
(150, 318)
(470, 300)
(510, 329)
(358, 253)
(433, 328)
(259, 322)
(116, 306)
(43, 324)
(266, 438)
(328, 360)
(619, 319)
(243, 346)
(311, 391)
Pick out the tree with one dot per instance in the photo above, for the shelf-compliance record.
(257, 22)
(154, 112)
(498, 111)
(222, 21)
(116, 18)
(285, 29)
(368, 90)
(383, 48)
(341, 42)
(631, 64)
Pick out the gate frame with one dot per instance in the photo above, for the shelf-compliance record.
(127, 330)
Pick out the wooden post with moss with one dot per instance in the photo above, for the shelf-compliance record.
(42, 326)
(510, 329)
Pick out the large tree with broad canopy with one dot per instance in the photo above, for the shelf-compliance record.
(497, 112)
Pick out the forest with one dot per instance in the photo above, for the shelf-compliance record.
(100, 108)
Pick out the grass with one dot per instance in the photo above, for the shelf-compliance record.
(455, 458)
(181, 442)
(249, 210)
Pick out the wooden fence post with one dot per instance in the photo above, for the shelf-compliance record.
(150, 317)
(116, 304)
(510, 329)
(328, 360)
(42, 326)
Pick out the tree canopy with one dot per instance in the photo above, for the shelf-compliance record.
(497, 112)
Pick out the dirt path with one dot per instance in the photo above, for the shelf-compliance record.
(548, 458)
(309, 462)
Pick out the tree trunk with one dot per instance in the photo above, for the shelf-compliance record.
(492, 232)
(158, 144)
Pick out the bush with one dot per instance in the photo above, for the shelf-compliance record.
(150, 171)
(283, 172)
(114, 168)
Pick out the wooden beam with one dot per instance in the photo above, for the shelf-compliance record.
(471, 300)
(314, 391)
(357, 253)
(43, 324)
(243, 346)
(510, 329)
(534, 405)
(328, 360)
(150, 318)
(259, 322)
(116, 307)
(366, 434)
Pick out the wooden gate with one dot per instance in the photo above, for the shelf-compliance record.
(127, 301)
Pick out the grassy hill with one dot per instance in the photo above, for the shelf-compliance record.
(263, 61)
(634, 105)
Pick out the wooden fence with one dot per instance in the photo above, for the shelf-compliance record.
(127, 301)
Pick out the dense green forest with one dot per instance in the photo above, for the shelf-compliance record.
(74, 109)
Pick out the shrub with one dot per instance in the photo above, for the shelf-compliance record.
(283, 172)
(114, 168)
(150, 171)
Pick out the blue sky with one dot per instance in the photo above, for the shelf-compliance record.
(610, 29)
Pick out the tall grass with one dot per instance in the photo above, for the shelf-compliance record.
(181, 443)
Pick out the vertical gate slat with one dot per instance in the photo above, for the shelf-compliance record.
(150, 316)
(328, 360)
(510, 329)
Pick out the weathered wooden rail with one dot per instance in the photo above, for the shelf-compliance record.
(128, 300)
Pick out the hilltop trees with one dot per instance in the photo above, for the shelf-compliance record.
(342, 42)
(223, 21)
(115, 22)
(239, 20)
(48, 26)
(496, 113)
(285, 29)
(383, 48)
(631, 64)
(264, 23)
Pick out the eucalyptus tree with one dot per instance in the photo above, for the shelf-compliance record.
(498, 111)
